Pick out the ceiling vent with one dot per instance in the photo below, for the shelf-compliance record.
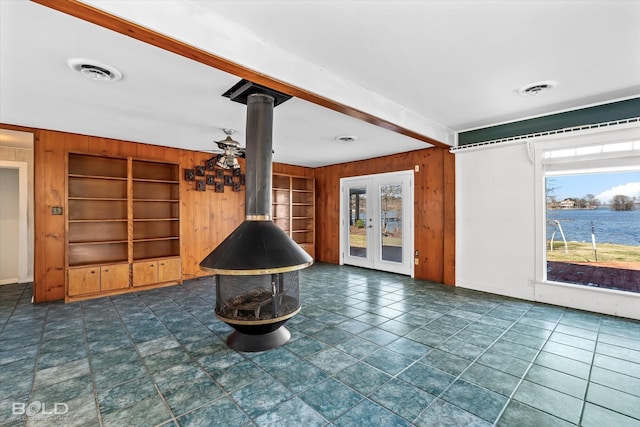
(94, 70)
(346, 138)
(536, 88)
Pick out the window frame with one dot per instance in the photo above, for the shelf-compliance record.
(586, 164)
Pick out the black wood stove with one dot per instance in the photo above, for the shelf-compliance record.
(256, 266)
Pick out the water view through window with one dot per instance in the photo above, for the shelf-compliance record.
(593, 229)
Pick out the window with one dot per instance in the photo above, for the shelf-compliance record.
(588, 199)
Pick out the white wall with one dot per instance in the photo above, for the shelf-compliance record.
(499, 246)
(495, 220)
(9, 225)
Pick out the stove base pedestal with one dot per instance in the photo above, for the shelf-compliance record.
(252, 343)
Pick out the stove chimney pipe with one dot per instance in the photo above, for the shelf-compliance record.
(258, 158)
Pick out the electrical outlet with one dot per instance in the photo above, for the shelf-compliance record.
(416, 168)
(56, 210)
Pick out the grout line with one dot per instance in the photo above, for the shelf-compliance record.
(522, 378)
(93, 381)
(37, 357)
(586, 389)
(475, 360)
(226, 394)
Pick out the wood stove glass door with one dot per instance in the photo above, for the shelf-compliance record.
(377, 222)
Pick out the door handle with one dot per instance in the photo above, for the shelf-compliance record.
(370, 226)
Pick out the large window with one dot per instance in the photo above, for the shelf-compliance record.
(591, 214)
(593, 229)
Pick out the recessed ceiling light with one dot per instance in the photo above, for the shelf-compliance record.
(536, 88)
(346, 138)
(95, 70)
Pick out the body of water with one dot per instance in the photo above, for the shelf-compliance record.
(620, 227)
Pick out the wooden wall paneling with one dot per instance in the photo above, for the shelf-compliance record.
(55, 146)
(292, 170)
(39, 220)
(430, 218)
(429, 207)
(208, 217)
(195, 207)
(449, 218)
(149, 152)
(328, 214)
(108, 147)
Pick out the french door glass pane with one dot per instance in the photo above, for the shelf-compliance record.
(391, 222)
(358, 222)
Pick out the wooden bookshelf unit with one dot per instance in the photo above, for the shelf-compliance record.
(293, 209)
(120, 214)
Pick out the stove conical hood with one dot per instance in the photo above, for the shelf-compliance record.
(257, 246)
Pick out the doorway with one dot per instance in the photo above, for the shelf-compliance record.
(376, 226)
(13, 220)
(16, 160)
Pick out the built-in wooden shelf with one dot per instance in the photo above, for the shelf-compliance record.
(120, 212)
(293, 208)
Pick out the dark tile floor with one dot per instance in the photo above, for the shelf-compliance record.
(367, 349)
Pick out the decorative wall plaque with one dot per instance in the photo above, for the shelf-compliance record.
(211, 174)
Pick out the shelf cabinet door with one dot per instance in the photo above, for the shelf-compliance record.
(114, 276)
(84, 280)
(169, 269)
(309, 248)
(145, 273)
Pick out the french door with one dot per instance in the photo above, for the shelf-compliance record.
(377, 222)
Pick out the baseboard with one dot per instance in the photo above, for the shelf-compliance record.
(8, 281)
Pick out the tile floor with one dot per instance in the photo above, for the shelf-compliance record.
(367, 349)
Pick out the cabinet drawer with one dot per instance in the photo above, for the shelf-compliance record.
(83, 280)
(145, 273)
(114, 276)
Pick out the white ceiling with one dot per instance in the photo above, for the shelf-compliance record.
(436, 66)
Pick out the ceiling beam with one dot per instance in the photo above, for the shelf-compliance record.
(106, 20)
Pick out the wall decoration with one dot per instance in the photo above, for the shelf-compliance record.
(216, 179)
(221, 170)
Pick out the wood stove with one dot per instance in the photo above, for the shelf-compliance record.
(256, 266)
